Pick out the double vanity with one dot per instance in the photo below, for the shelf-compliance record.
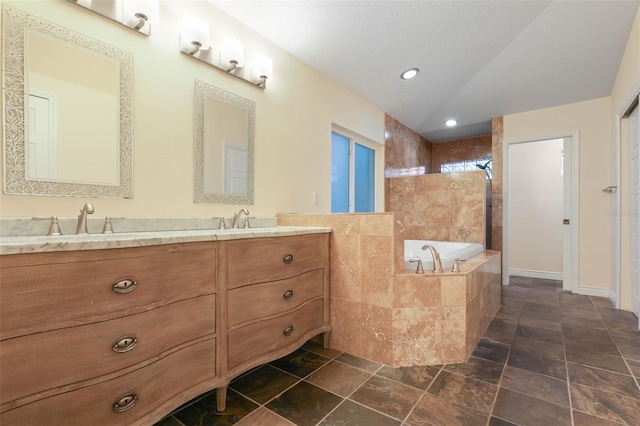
(124, 328)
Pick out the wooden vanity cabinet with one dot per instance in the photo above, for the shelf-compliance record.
(277, 298)
(117, 336)
(126, 335)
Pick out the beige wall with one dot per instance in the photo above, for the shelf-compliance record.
(535, 209)
(294, 117)
(592, 120)
(626, 86)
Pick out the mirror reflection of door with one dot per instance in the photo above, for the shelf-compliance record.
(41, 148)
(235, 168)
(86, 86)
(225, 146)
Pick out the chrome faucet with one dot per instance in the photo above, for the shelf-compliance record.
(437, 264)
(235, 222)
(82, 218)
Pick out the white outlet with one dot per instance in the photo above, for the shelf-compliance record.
(315, 198)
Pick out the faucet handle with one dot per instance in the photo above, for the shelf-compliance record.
(246, 223)
(419, 268)
(108, 227)
(54, 227)
(222, 224)
(456, 265)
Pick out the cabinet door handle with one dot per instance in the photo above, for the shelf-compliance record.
(288, 331)
(288, 259)
(125, 344)
(125, 285)
(125, 402)
(288, 295)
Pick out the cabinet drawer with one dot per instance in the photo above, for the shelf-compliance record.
(263, 259)
(267, 299)
(255, 340)
(46, 361)
(160, 388)
(54, 290)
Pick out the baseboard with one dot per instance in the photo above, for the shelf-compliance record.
(595, 291)
(614, 299)
(535, 274)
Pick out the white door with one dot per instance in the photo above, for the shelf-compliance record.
(41, 143)
(235, 169)
(634, 138)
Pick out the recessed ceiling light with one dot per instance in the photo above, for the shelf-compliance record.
(410, 73)
(451, 122)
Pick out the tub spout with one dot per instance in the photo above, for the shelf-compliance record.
(437, 264)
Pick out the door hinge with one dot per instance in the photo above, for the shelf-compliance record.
(566, 221)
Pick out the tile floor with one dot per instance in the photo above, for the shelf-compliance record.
(548, 358)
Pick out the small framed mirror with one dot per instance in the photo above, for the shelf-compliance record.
(68, 102)
(224, 131)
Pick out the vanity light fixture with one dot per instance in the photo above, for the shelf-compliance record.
(135, 14)
(194, 36)
(452, 122)
(229, 57)
(262, 70)
(138, 14)
(231, 54)
(410, 73)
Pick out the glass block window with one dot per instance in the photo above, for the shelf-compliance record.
(467, 166)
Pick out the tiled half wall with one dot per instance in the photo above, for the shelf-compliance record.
(385, 313)
(441, 207)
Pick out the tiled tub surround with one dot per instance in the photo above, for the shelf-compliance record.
(441, 207)
(382, 312)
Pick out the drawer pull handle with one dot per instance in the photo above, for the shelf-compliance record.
(288, 259)
(125, 402)
(288, 295)
(288, 331)
(125, 344)
(124, 285)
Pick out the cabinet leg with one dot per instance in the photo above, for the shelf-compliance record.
(221, 399)
(325, 339)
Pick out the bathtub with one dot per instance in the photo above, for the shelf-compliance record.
(448, 250)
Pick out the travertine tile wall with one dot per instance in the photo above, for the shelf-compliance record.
(405, 151)
(361, 293)
(404, 148)
(496, 197)
(444, 207)
(385, 313)
(461, 149)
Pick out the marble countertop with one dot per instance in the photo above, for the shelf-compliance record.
(44, 243)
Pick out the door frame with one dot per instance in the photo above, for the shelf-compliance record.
(617, 202)
(570, 280)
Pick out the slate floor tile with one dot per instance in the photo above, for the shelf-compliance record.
(304, 404)
(527, 410)
(432, 410)
(351, 413)
(608, 406)
(387, 396)
(462, 390)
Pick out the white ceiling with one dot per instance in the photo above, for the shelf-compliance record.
(478, 59)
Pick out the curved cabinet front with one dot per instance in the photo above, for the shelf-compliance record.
(268, 336)
(109, 347)
(149, 392)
